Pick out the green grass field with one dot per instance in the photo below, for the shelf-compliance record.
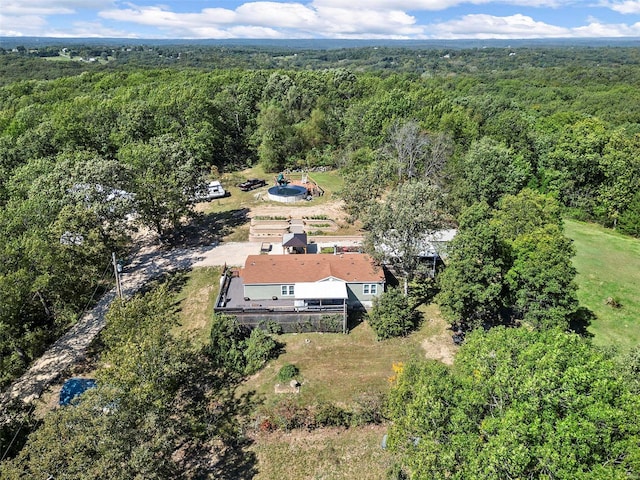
(608, 266)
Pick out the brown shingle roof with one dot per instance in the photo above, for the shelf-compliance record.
(281, 269)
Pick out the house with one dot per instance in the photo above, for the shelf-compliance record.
(272, 286)
(429, 248)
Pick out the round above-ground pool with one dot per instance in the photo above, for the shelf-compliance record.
(288, 193)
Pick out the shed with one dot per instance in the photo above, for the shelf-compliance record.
(295, 242)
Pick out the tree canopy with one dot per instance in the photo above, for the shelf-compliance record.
(517, 404)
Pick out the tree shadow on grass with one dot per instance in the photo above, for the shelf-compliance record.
(580, 321)
(235, 461)
(207, 228)
(217, 448)
(355, 318)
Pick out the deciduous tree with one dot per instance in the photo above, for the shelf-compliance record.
(399, 227)
(517, 404)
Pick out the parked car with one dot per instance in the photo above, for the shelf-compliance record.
(252, 184)
(211, 191)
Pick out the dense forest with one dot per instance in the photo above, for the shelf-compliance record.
(492, 135)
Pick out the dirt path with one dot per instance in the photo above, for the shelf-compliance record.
(149, 263)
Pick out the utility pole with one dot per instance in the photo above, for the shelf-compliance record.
(116, 271)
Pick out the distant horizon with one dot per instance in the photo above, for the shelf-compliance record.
(322, 43)
(321, 19)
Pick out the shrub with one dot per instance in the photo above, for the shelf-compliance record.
(368, 409)
(236, 349)
(629, 221)
(330, 415)
(271, 326)
(259, 349)
(392, 316)
(227, 343)
(287, 415)
(287, 372)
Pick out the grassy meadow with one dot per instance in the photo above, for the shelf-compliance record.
(608, 266)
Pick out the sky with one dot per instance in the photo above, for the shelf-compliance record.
(339, 19)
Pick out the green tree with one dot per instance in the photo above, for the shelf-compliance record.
(238, 350)
(151, 400)
(259, 348)
(363, 187)
(572, 168)
(510, 263)
(620, 164)
(541, 278)
(165, 180)
(392, 316)
(525, 212)
(472, 286)
(490, 170)
(274, 134)
(517, 404)
(398, 228)
(630, 220)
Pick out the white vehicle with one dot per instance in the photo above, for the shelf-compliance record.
(212, 190)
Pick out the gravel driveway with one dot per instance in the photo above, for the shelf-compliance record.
(231, 254)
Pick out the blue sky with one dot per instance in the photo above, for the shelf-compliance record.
(343, 19)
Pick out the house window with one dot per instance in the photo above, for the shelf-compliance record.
(287, 290)
(370, 289)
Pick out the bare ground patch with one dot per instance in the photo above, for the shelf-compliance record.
(440, 346)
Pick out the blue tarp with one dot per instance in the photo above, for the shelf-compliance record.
(75, 387)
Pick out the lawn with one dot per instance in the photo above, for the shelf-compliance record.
(331, 182)
(608, 266)
(333, 368)
(340, 368)
(196, 299)
(327, 454)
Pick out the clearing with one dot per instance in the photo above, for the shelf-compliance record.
(608, 265)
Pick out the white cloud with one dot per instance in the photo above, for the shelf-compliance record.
(89, 30)
(488, 26)
(374, 19)
(596, 29)
(433, 5)
(50, 7)
(163, 18)
(345, 21)
(22, 25)
(267, 19)
(283, 15)
(627, 7)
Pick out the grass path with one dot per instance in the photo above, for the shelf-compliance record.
(608, 266)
